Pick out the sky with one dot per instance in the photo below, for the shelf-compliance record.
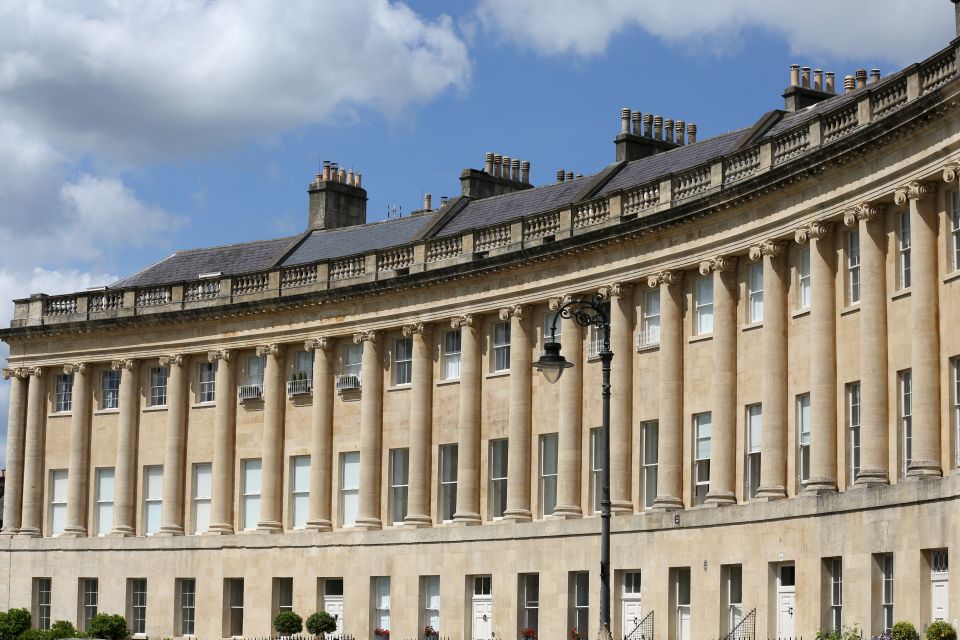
(133, 128)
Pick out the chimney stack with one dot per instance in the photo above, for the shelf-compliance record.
(427, 201)
(500, 174)
(804, 90)
(691, 133)
(874, 75)
(336, 199)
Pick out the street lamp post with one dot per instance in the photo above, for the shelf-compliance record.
(589, 313)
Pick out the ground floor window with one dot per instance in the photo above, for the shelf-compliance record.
(89, 600)
(580, 601)
(138, 605)
(186, 598)
(42, 590)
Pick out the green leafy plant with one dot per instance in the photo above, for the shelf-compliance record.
(941, 630)
(62, 629)
(904, 630)
(13, 623)
(288, 623)
(34, 634)
(321, 623)
(109, 626)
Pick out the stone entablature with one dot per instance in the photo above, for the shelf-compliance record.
(757, 167)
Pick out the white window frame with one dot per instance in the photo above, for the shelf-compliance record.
(803, 437)
(452, 344)
(499, 455)
(955, 230)
(206, 382)
(649, 320)
(187, 605)
(109, 389)
(44, 588)
(905, 406)
(580, 602)
(549, 462)
(202, 496)
(530, 600)
(138, 606)
(90, 600)
(402, 362)
(381, 602)
(236, 595)
(683, 589)
(803, 278)
(755, 293)
(251, 487)
(299, 491)
(702, 450)
(754, 448)
(431, 602)
(547, 322)
(399, 484)
(596, 468)
(703, 303)
(836, 593)
(158, 386)
(104, 487)
(734, 596)
(349, 488)
(903, 250)
(59, 479)
(448, 459)
(500, 360)
(650, 453)
(353, 360)
(956, 407)
(853, 266)
(152, 499)
(854, 401)
(63, 393)
(886, 590)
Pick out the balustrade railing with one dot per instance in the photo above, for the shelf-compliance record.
(249, 391)
(590, 213)
(154, 296)
(300, 384)
(648, 338)
(890, 98)
(938, 71)
(540, 226)
(741, 166)
(106, 301)
(444, 248)
(691, 183)
(203, 290)
(837, 125)
(643, 197)
(791, 144)
(492, 238)
(395, 259)
(347, 268)
(298, 276)
(60, 306)
(347, 382)
(252, 283)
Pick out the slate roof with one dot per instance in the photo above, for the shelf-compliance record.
(323, 245)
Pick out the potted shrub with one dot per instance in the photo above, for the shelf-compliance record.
(429, 633)
(381, 633)
(941, 630)
(904, 630)
(321, 623)
(288, 623)
(528, 633)
(109, 626)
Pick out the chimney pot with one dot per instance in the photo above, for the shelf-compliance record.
(356, 179)
(691, 133)
(658, 127)
(805, 77)
(830, 87)
(443, 201)
(560, 175)
(637, 123)
(350, 177)
(849, 84)
(624, 120)
(505, 168)
(488, 163)
(679, 125)
(497, 164)
(668, 129)
(647, 125)
(326, 169)
(818, 79)
(861, 78)
(525, 172)
(569, 175)
(343, 175)
(874, 75)
(515, 170)
(427, 201)
(794, 75)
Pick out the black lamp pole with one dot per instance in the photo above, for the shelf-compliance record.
(590, 313)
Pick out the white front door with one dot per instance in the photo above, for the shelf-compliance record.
(334, 606)
(683, 622)
(482, 619)
(631, 615)
(785, 606)
(939, 593)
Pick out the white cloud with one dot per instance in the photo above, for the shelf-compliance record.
(896, 31)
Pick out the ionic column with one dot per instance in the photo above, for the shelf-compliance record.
(570, 418)
(823, 358)
(421, 422)
(31, 522)
(670, 438)
(224, 429)
(271, 448)
(126, 467)
(773, 463)
(925, 345)
(371, 424)
(16, 429)
(723, 394)
(620, 296)
(175, 446)
(468, 423)
(321, 434)
(519, 422)
(873, 344)
(78, 484)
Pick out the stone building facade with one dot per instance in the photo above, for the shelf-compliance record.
(348, 420)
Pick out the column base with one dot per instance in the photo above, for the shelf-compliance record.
(871, 478)
(368, 524)
(621, 507)
(720, 498)
(567, 512)
(319, 525)
(417, 522)
(923, 469)
(517, 515)
(667, 503)
(466, 519)
(29, 532)
(820, 486)
(122, 532)
(73, 532)
(8, 533)
(169, 530)
(269, 526)
(774, 492)
(219, 529)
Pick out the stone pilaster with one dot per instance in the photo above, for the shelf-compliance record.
(78, 475)
(31, 522)
(570, 419)
(16, 430)
(620, 297)
(321, 435)
(421, 422)
(723, 445)
(125, 474)
(371, 424)
(468, 442)
(519, 423)
(271, 456)
(175, 446)
(224, 429)
(670, 444)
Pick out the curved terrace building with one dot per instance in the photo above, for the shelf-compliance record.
(348, 420)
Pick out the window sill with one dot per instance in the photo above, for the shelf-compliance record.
(952, 277)
(902, 293)
(203, 405)
(444, 383)
(753, 326)
(648, 347)
(60, 414)
(498, 374)
(400, 387)
(106, 412)
(159, 407)
(700, 338)
(799, 313)
(851, 309)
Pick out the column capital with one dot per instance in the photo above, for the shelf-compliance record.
(615, 290)
(867, 211)
(951, 171)
(16, 372)
(466, 320)
(175, 359)
(417, 328)
(720, 263)
(271, 349)
(772, 248)
(556, 302)
(365, 336)
(219, 354)
(77, 367)
(672, 276)
(815, 230)
(319, 344)
(127, 363)
(914, 190)
(518, 311)
(36, 372)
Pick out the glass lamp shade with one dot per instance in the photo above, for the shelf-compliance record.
(551, 363)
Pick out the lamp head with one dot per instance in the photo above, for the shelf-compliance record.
(551, 363)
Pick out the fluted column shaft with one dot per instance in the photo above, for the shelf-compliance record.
(823, 361)
(519, 422)
(174, 458)
(620, 296)
(271, 452)
(16, 429)
(321, 435)
(773, 465)
(371, 423)
(570, 421)
(468, 421)
(723, 445)
(126, 466)
(224, 428)
(78, 475)
(34, 439)
(873, 348)
(670, 439)
(925, 335)
(421, 421)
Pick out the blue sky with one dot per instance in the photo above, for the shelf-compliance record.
(133, 129)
